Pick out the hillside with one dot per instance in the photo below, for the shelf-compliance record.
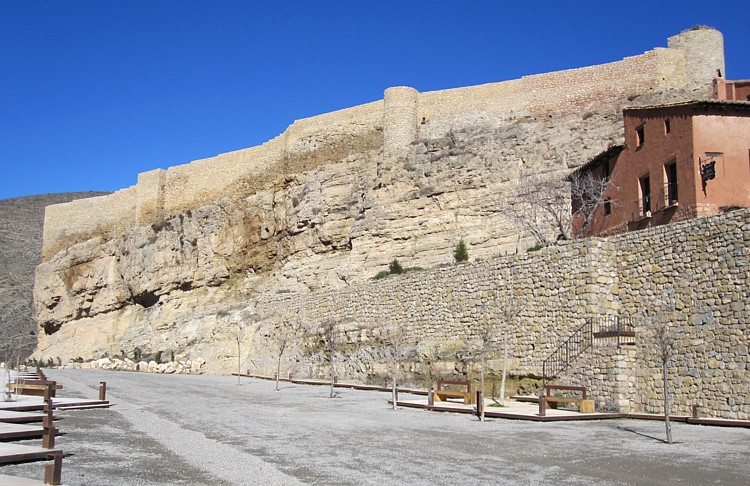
(21, 223)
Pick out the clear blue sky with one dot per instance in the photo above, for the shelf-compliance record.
(94, 92)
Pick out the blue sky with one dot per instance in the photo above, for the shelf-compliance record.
(94, 92)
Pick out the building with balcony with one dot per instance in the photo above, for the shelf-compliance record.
(677, 162)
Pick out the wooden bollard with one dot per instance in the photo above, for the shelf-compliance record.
(694, 409)
(480, 403)
(48, 424)
(53, 472)
(542, 405)
(102, 390)
(431, 398)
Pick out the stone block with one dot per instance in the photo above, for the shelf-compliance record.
(587, 406)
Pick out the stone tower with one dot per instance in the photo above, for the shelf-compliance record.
(704, 55)
(399, 121)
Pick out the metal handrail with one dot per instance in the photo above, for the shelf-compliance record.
(605, 330)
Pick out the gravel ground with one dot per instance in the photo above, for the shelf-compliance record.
(176, 429)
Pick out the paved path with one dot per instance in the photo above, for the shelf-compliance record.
(196, 430)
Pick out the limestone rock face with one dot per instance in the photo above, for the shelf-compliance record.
(336, 216)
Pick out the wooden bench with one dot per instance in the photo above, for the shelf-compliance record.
(553, 400)
(33, 388)
(442, 393)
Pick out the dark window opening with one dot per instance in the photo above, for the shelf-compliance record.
(606, 170)
(607, 207)
(640, 136)
(645, 202)
(667, 126)
(670, 171)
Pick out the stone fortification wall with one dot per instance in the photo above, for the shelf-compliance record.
(561, 91)
(79, 220)
(163, 194)
(692, 59)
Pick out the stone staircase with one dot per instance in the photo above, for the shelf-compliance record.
(596, 331)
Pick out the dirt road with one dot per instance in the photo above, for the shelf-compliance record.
(196, 430)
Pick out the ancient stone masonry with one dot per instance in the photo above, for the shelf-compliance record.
(690, 63)
(298, 226)
(703, 263)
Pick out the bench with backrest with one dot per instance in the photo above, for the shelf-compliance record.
(447, 389)
(33, 387)
(553, 400)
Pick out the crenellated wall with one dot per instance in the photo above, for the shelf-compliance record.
(691, 61)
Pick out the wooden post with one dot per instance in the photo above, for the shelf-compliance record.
(480, 403)
(53, 472)
(431, 398)
(695, 411)
(48, 425)
(396, 393)
(542, 405)
(102, 390)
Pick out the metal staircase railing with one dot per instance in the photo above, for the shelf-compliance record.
(602, 331)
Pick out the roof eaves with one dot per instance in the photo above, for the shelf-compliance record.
(603, 155)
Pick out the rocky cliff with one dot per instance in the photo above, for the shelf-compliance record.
(332, 211)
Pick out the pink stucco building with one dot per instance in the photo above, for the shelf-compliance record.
(678, 161)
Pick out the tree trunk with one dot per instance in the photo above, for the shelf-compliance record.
(481, 386)
(278, 372)
(394, 381)
(239, 363)
(332, 374)
(666, 402)
(505, 366)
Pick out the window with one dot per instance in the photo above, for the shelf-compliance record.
(607, 207)
(670, 183)
(667, 126)
(645, 193)
(640, 136)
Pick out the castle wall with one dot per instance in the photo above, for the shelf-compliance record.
(693, 58)
(572, 90)
(76, 221)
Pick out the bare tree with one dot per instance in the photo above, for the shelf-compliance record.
(587, 193)
(239, 323)
(542, 205)
(486, 329)
(508, 311)
(489, 329)
(665, 346)
(396, 343)
(284, 334)
(326, 342)
(238, 335)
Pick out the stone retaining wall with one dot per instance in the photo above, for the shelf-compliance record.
(693, 274)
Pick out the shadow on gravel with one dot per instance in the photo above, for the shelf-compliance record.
(633, 431)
